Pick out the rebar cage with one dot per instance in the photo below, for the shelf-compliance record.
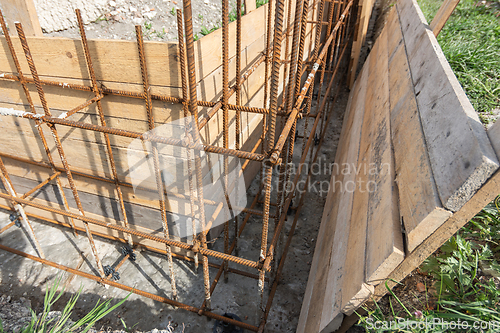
(293, 78)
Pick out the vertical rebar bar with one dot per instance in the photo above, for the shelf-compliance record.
(275, 82)
(7, 184)
(22, 80)
(267, 51)
(95, 89)
(317, 36)
(193, 108)
(187, 124)
(238, 102)
(58, 143)
(225, 133)
(325, 62)
(156, 160)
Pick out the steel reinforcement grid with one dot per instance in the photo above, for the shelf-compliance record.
(322, 67)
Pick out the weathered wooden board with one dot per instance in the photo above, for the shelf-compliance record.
(118, 61)
(364, 13)
(479, 200)
(312, 315)
(354, 289)
(24, 12)
(384, 247)
(461, 155)
(442, 15)
(420, 207)
(404, 76)
(494, 135)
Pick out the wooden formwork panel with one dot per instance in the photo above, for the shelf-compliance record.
(415, 141)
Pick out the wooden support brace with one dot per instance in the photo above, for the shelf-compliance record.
(22, 11)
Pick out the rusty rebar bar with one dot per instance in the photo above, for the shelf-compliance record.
(42, 184)
(9, 186)
(275, 82)
(68, 114)
(182, 60)
(136, 135)
(57, 141)
(98, 97)
(317, 36)
(193, 108)
(23, 80)
(156, 160)
(238, 102)
(225, 120)
(8, 226)
(86, 219)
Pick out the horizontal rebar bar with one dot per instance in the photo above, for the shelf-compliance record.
(125, 241)
(137, 135)
(42, 184)
(130, 289)
(208, 252)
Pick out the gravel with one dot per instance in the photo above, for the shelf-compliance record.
(157, 18)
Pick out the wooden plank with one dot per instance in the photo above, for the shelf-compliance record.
(250, 6)
(384, 247)
(330, 291)
(22, 11)
(114, 60)
(494, 135)
(118, 60)
(354, 289)
(365, 10)
(479, 200)
(420, 207)
(442, 15)
(91, 157)
(461, 155)
(322, 252)
(394, 35)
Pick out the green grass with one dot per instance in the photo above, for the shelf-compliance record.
(259, 3)
(463, 290)
(471, 43)
(232, 17)
(42, 323)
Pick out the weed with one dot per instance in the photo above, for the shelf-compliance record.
(44, 324)
(205, 31)
(125, 327)
(161, 34)
(259, 3)
(196, 37)
(101, 18)
(173, 11)
(148, 26)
